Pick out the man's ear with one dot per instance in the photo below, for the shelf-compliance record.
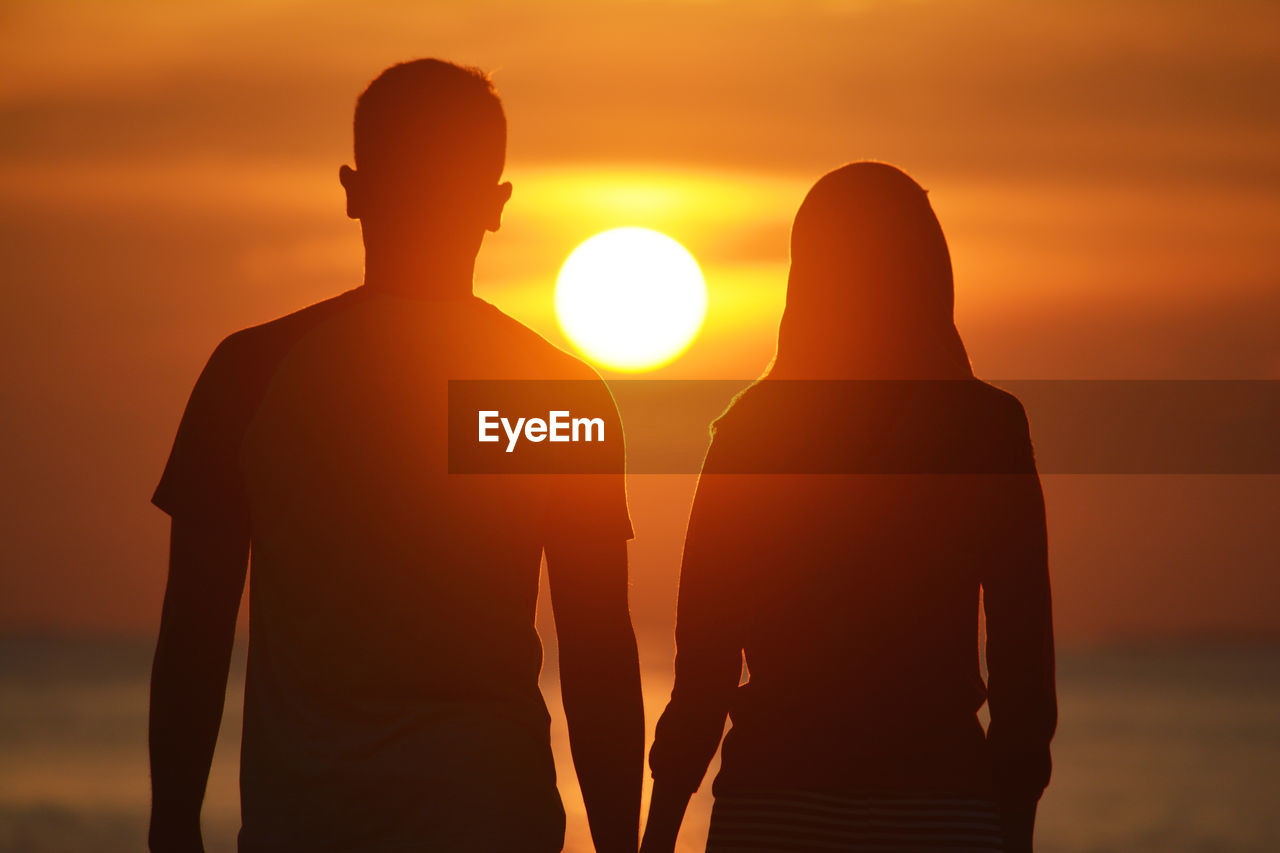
(350, 180)
(500, 199)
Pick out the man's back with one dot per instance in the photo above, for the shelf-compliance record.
(392, 678)
(391, 697)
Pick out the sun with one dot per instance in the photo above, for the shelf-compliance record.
(631, 299)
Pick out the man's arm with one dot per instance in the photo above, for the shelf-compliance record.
(189, 677)
(600, 684)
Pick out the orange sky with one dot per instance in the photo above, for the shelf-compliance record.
(1108, 175)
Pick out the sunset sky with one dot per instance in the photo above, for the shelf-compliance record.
(1108, 176)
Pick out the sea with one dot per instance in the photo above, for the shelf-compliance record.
(1161, 748)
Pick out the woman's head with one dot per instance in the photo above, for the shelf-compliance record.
(870, 291)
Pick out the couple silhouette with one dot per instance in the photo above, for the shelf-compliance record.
(391, 692)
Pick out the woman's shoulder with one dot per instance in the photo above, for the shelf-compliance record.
(867, 426)
(1005, 429)
(767, 402)
(1002, 407)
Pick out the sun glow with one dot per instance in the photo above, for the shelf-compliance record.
(631, 299)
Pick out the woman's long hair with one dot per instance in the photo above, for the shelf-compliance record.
(870, 292)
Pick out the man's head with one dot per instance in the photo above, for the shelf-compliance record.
(430, 143)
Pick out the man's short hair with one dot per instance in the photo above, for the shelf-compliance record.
(432, 110)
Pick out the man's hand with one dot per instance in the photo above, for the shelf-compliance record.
(174, 837)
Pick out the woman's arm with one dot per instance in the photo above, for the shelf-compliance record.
(1020, 654)
(666, 812)
(708, 653)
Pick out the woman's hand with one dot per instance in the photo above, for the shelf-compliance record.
(666, 812)
(1018, 822)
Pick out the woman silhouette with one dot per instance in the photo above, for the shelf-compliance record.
(852, 505)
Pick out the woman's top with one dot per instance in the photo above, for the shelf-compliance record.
(840, 537)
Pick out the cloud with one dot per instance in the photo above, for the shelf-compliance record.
(1156, 91)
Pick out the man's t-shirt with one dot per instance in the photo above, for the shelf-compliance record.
(391, 695)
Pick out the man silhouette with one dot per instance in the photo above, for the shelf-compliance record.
(391, 696)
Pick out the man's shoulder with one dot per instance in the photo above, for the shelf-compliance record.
(535, 354)
(243, 361)
(276, 336)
